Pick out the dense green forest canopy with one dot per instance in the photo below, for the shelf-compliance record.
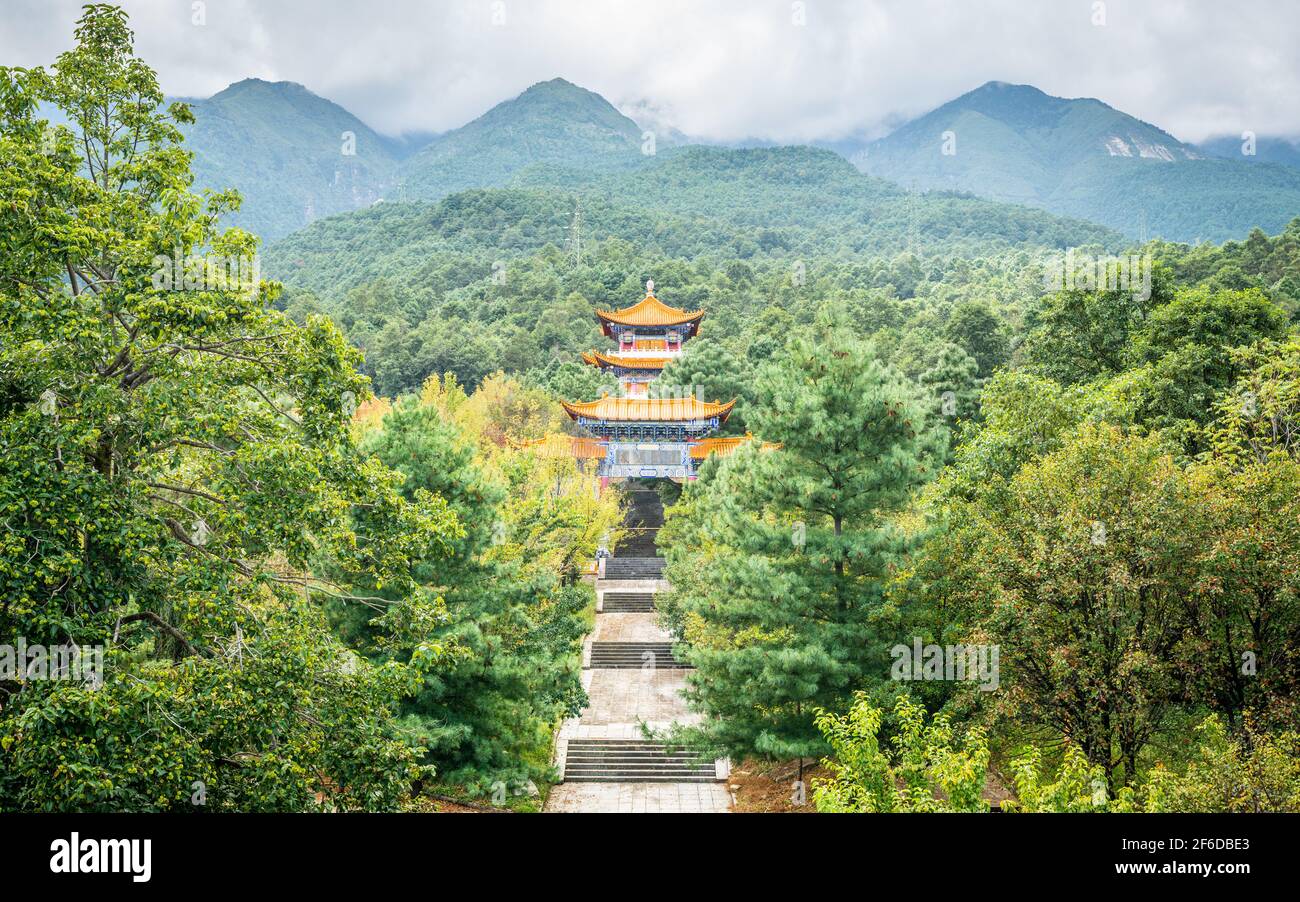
(283, 606)
(489, 280)
(506, 278)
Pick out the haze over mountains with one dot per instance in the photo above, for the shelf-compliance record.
(298, 158)
(1084, 158)
(284, 148)
(1266, 150)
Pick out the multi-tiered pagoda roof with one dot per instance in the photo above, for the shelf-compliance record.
(652, 410)
(633, 434)
(649, 312)
(624, 362)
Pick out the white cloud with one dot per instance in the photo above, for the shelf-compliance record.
(725, 69)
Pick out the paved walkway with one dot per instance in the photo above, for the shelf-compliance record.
(620, 702)
(638, 798)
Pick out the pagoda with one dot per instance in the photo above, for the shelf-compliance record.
(639, 435)
(649, 335)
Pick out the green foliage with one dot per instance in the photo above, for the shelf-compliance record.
(175, 468)
(1260, 417)
(1077, 787)
(1022, 417)
(928, 771)
(710, 371)
(952, 386)
(513, 633)
(287, 722)
(1253, 773)
(1189, 346)
(1080, 574)
(1240, 649)
(1268, 263)
(1078, 335)
(781, 572)
(976, 329)
(572, 381)
(1256, 772)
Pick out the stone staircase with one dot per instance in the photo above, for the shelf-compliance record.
(645, 515)
(629, 568)
(633, 761)
(625, 655)
(628, 603)
(633, 682)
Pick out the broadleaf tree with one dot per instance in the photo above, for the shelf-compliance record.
(176, 471)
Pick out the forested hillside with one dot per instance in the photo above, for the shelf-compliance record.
(551, 122)
(785, 203)
(505, 278)
(1084, 158)
(294, 156)
(494, 279)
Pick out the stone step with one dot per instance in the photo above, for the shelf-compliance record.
(630, 757)
(632, 573)
(638, 778)
(634, 568)
(630, 655)
(633, 761)
(628, 602)
(638, 541)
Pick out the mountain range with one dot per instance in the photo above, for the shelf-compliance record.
(1265, 150)
(1084, 158)
(298, 157)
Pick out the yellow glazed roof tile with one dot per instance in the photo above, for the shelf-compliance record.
(654, 410)
(650, 311)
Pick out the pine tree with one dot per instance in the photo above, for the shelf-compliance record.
(782, 583)
(512, 634)
(952, 387)
(713, 372)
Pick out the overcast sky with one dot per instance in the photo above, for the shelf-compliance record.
(720, 69)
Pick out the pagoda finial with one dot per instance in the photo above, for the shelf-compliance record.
(649, 286)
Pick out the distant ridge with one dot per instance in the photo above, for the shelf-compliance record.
(284, 148)
(553, 122)
(1266, 149)
(1082, 157)
(288, 152)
